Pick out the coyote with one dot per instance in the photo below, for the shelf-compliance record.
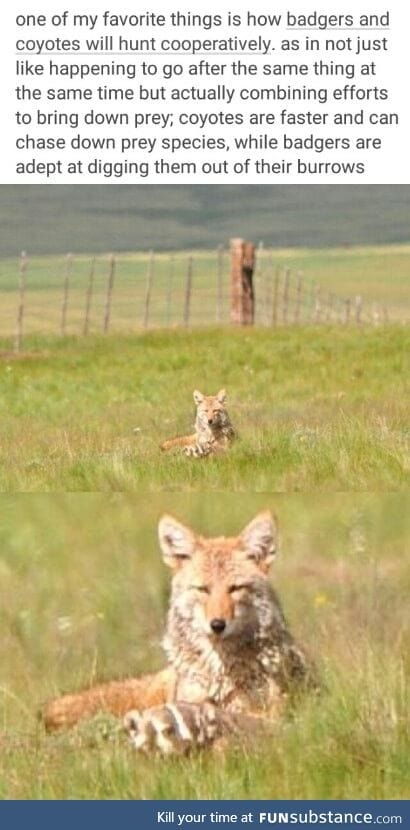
(213, 428)
(232, 661)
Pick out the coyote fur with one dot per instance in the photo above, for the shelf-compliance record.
(213, 428)
(232, 661)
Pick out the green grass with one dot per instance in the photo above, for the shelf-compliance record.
(84, 597)
(379, 274)
(315, 409)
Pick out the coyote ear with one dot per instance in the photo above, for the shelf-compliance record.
(221, 396)
(177, 542)
(198, 397)
(259, 539)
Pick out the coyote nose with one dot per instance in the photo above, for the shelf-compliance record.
(210, 420)
(217, 625)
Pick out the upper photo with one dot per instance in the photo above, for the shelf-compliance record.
(185, 338)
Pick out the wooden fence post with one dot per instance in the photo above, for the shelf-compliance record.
(89, 298)
(66, 289)
(347, 311)
(150, 279)
(329, 308)
(375, 314)
(298, 300)
(268, 291)
(18, 339)
(219, 283)
(169, 291)
(188, 290)
(275, 298)
(260, 279)
(242, 294)
(312, 301)
(286, 284)
(110, 286)
(318, 304)
(358, 305)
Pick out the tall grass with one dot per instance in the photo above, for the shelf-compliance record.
(322, 409)
(84, 598)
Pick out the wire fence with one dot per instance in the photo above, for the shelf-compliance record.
(122, 293)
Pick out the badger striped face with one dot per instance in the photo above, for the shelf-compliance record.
(173, 729)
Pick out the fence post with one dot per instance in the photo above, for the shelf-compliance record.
(242, 294)
(298, 300)
(67, 271)
(286, 283)
(150, 278)
(329, 308)
(18, 339)
(260, 277)
(169, 291)
(358, 303)
(219, 284)
(188, 289)
(89, 297)
(318, 304)
(275, 297)
(110, 285)
(347, 311)
(268, 289)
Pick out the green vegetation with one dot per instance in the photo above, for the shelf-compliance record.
(380, 275)
(315, 409)
(84, 596)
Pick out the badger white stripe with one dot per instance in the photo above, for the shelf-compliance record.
(184, 733)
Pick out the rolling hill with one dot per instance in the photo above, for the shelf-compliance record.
(47, 219)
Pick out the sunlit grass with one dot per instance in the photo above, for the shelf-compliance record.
(84, 597)
(379, 275)
(322, 409)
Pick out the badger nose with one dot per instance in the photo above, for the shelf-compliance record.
(217, 625)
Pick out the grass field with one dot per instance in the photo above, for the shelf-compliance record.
(379, 274)
(315, 409)
(84, 595)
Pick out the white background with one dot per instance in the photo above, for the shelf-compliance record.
(388, 165)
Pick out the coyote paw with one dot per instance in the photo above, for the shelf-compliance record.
(174, 729)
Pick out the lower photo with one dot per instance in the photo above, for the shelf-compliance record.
(204, 646)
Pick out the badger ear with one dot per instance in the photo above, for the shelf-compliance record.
(177, 542)
(221, 396)
(198, 397)
(259, 540)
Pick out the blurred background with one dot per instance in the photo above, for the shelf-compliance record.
(84, 590)
(99, 218)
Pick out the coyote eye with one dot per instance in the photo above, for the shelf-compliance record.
(203, 588)
(242, 587)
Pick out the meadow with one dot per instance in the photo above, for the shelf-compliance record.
(318, 408)
(84, 597)
(380, 275)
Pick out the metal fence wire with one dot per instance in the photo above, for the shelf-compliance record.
(81, 295)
